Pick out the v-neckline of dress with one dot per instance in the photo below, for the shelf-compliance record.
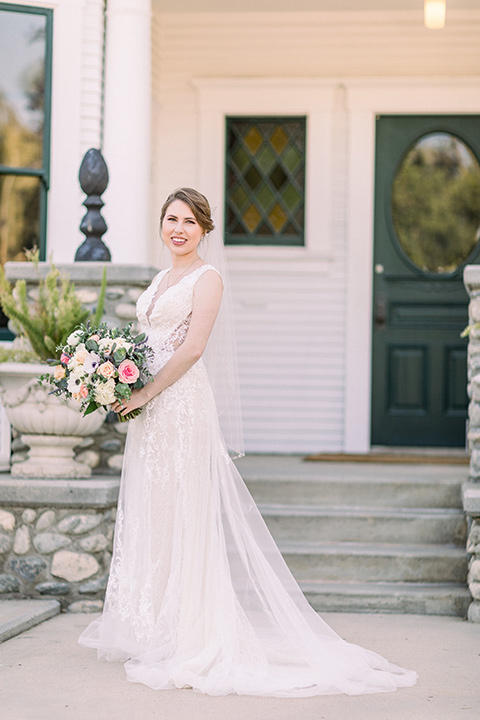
(156, 297)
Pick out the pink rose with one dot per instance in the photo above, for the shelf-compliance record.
(83, 392)
(128, 372)
(95, 337)
(106, 369)
(64, 358)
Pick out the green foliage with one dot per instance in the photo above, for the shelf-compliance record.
(48, 321)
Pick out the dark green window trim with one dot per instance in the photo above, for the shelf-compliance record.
(265, 181)
(44, 172)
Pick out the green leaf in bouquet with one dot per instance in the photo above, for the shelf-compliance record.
(119, 355)
(91, 345)
(140, 338)
(91, 407)
(138, 385)
(123, 391)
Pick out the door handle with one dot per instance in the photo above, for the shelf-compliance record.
(380, 312)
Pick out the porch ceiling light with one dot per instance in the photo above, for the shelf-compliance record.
(434, 14)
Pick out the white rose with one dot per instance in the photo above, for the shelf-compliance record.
(105, 392)
(106, 344)
(121, 343)
(74, 338)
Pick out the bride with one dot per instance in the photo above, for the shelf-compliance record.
(199, 595)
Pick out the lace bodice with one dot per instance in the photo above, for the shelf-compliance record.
(166, 319)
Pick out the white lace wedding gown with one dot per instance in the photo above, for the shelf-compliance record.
(199, 595)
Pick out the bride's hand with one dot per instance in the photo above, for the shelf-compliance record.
(123, 407)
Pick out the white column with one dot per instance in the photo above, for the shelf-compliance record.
(127, 129)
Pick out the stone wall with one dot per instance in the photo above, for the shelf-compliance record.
(471, 504)
(471, 491)
(56, 539)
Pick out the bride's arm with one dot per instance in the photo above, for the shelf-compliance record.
(206, 302)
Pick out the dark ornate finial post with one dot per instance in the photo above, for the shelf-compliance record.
(93, 178)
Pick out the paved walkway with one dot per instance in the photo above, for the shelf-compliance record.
(45, 675)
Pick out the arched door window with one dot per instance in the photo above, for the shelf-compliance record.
(436, 203)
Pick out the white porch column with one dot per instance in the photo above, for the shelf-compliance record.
(127, 129)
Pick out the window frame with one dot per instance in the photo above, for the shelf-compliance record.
(314, 99)
(276, 240)
(42, 173)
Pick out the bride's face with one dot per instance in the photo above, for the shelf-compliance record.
(181, 232)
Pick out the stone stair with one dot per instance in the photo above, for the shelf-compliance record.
(367, 537)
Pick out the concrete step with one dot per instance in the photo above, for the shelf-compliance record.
(289, 480)
(360, 492)
(374, 562)
(16, 616)
(310, 523)
(380, 537)
(418, 598)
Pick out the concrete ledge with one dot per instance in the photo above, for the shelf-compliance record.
(101, 491)
(16, 616)
(90, 272)
(471, 499)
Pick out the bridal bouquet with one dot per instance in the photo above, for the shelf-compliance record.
(99, 365)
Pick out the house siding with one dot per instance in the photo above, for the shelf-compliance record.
(290, 322)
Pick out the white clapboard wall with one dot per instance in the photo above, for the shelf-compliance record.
(290, 321)
(290, 338)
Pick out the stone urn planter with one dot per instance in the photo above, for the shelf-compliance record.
(50, 427)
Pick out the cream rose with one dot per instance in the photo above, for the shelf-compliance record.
(105, 392)
(59, 372)
(106, 369)
(76, 361)
(80, 355)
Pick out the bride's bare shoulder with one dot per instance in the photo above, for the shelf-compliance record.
(209, 280)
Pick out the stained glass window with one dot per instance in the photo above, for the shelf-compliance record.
(265, 181)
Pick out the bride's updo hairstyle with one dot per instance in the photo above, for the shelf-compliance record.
(197, 203)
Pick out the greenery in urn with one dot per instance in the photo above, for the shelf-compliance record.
(47, 321)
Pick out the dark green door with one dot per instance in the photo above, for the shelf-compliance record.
(427, 228)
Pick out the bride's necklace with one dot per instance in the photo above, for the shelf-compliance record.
(182, 274)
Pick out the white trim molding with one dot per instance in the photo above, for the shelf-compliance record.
(219, 98)
(366, 99)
